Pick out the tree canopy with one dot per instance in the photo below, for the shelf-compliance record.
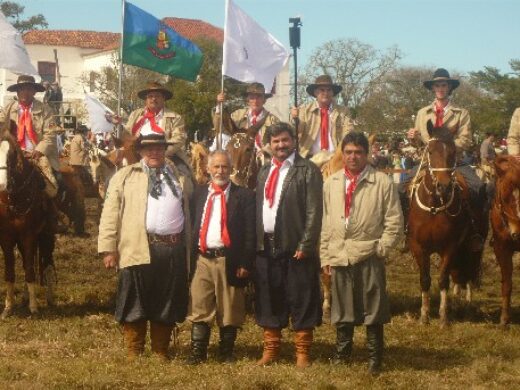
(14, 13)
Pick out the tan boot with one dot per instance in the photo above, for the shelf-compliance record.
(134, 334)
(303, 342)
(272, 341)
(160, 335)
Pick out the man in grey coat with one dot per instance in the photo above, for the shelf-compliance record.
(362, 221)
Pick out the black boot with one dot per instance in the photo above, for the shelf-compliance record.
(375, 344)
(200, 332)
(344, 342)
(228, 335)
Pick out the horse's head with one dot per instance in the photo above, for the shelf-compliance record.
(199, 161)
(241, 148)
(441, 156)
(11, 159)
(508, 192)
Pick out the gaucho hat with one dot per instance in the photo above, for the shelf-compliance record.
(24, 80)
(256, 88)
(151, 139)
(441, 74)
(323, 81)
(154, 86)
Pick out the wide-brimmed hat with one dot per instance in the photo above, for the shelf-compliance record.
(154, 86)
(323, 81)
(151, 139)
(441, 74)
(257, 88)
(24, 80)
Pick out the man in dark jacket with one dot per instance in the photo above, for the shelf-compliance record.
(224, 246)
(289, 212)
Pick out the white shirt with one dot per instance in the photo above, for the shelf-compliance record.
(165, 215)
(214, 237)
(347, 183)
(146, 128)
(29, 146)
(269, 213)
(316, 146)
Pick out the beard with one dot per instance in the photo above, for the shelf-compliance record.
(219, 180)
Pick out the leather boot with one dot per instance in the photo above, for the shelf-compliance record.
(228, 335)
(375, 344)
(344, 343)
(303, 342)
(200, 332)
(134, 334)
(272, 341)
(160, 335)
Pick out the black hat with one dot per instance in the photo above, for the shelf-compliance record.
(323, 81)
(26, 80)
(151, 139)
(441, 74)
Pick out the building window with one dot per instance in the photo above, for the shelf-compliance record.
(47, 71)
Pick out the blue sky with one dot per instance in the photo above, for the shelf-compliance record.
(460, 35)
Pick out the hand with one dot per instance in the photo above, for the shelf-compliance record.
(242, 273)
(111, 260)
(299, 255)
(221, 97)
(326, 270)
(412, 134)
(36, 154)
(113, 118)
(294, 112)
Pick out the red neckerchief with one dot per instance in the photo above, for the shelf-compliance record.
(136, 130)
(439, 115)
(350, 190)
(25, 126)
(324, 129)
(224, 233)
(272, 181)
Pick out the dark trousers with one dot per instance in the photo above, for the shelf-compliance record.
(287, 288)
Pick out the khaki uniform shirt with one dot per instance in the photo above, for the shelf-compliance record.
(456, 119)
(513, 136)
(44, 126)
(122, 227)
(310, 121)
(375, 222)
(79, 151)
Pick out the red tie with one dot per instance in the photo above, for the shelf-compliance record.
(25, 125)
(350, 191)
(224, 234)
(136, 130)
(439, 114)
(324, 129)
(270, 188)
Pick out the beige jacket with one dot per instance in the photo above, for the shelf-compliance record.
(173, 126)
(513, 136)
(375, 223)
(79, 151)
(456, 119)
(44, 125)
(122, 227)
(310, 121)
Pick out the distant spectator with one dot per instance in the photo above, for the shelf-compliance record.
(487, 149)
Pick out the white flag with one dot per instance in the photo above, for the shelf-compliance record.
(250, 52)
(14, 56)
(97, 115)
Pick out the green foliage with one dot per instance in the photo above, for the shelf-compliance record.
(14, 13)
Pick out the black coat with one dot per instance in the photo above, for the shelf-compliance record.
(298, 220)
(241, 226)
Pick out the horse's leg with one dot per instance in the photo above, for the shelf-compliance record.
(423, 261)
(9, 277)
(28, 249)
(504, 255)
(46, 241)
(469, 292)
(444, 284)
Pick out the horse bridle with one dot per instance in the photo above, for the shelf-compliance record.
(249, 167)
(504, 215)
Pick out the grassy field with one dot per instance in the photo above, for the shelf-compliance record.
(78, 345)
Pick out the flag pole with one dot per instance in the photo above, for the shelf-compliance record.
(294, 41)
(120, 83)
(224, 53)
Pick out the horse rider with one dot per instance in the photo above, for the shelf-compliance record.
(79, 160)
(287, 269)
(442, 112)
(321, 124)
(225, 247)
(156, 118)
(362, 221)
(145, 232)
(254, 115)
(513, 136)
(487, 150)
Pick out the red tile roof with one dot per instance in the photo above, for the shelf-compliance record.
(188, 28)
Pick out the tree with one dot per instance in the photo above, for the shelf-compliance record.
(14, 11)
(358, 67)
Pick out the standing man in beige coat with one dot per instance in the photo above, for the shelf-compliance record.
(145, 233)
(322, 124)
(513, 136)
(362, 221)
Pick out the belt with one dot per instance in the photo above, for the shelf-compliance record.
(168, 239)
(212, 253)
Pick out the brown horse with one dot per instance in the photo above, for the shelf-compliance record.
(438, 221)
(505, 221)
(244, 160)
(199, 162)
(24, 222)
